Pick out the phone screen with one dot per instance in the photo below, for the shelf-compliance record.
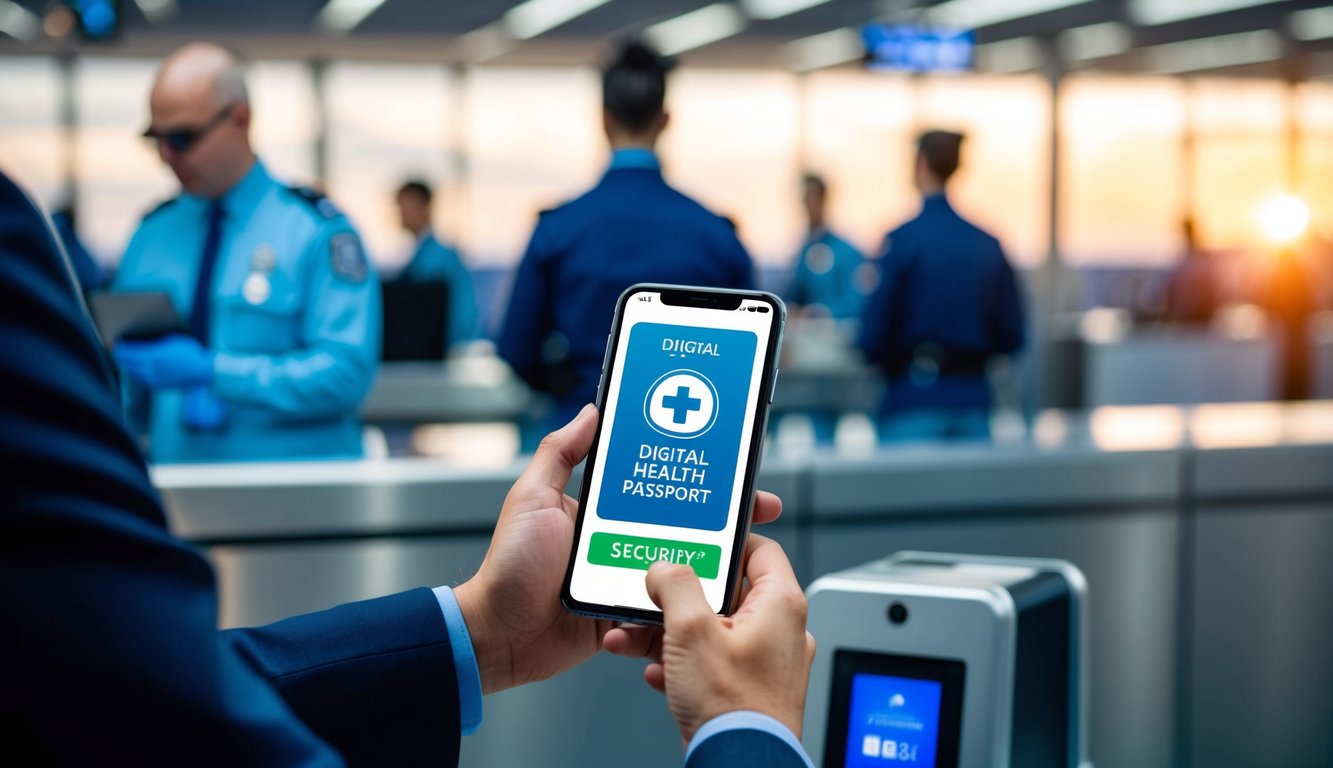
(671, 475)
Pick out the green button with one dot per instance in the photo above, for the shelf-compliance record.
(640, 553)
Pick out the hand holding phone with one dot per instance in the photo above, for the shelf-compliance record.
(684, 398)
(758, 660)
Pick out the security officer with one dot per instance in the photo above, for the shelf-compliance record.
(828, 267)
(283, 309)
(946, 303)
(433, 260)
(632, 227)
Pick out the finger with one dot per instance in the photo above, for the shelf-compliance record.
(655, 675)
(767, 507)
(770, 574)
(677, 591)
(560, 451)
(635, 642)
(766, 562)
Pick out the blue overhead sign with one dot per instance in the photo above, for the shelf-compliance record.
(917, 49)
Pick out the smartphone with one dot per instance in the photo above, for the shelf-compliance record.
(684, 396)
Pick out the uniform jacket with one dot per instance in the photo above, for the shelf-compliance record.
(294, 320)
(945, 286)
(631, 228)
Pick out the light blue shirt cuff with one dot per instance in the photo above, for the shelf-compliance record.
(465, 662)
(736, 721)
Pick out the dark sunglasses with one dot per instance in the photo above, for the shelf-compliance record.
(181, 139)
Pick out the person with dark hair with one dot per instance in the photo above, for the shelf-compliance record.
(825, 282)
(434, 260)
(631, 228)
(947, 302)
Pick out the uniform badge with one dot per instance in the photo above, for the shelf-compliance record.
(257, 288)
(819, 258)
(349, 261)
(264, 258)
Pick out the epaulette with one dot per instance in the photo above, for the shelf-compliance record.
(160, 206)
(317, 200)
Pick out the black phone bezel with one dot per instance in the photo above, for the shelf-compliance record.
(706, 298)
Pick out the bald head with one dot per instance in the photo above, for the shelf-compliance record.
(200, 93)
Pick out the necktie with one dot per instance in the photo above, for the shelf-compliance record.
(203, 284)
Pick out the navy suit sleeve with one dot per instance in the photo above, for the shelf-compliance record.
(745, 748)
(109, 648)
(374, 679)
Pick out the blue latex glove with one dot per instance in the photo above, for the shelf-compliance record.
(166, 363)
(203, 411)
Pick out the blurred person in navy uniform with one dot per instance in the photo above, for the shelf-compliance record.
(631, 228)
(1193, 293)
(946, 303)
(433, 260)
(283, 308)
(827, 269)
(111, 655)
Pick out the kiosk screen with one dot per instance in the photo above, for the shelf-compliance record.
(893, 710)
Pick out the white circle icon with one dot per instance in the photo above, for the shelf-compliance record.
(681, 403)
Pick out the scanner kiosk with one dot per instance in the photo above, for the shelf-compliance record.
(948, 661)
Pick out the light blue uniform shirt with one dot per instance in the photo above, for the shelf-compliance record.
(434, 260)
(826, 276)
(294, 322)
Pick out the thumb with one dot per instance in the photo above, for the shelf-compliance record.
(677, 591)
(560, 451)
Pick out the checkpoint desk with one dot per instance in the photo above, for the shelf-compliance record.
(820, 371)
(1203, 533)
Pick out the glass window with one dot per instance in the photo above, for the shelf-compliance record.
(1315, 160)
(1240, 158)
(1002, 185)
(732, 145)
(118, 172)
(858, 133)
(285, 118)
(1121, 185)
(533, 139)
(389, 123)
(32, 147)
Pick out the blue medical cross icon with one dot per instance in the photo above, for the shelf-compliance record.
(681, 404)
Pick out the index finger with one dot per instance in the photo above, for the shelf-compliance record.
(677, 591)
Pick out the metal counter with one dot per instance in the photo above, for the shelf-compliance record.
(1202, 532)
(1113, 514)
(1260, 625)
